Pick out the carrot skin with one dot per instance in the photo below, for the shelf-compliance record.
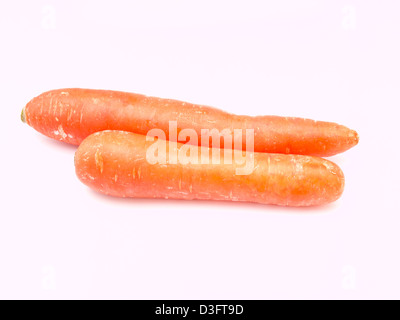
(71, 115)
(115, 163)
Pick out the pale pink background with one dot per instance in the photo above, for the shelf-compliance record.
(327, 60)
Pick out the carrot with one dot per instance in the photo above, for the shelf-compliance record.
(70, 115)
(119, 164)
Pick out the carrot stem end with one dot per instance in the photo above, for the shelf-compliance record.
(23, 116)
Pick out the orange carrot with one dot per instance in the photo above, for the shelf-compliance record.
(118, 164)
(70, 115)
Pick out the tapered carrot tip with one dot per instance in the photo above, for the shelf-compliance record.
(355, 137)
(23, 116)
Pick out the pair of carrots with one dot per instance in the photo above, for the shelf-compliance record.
(110, 128)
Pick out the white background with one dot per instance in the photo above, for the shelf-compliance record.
(326, 60)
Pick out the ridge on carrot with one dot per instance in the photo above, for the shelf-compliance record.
(71, 115)
(117, 164)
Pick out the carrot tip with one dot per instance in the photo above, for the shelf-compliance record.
(354, 135)
(23, 116)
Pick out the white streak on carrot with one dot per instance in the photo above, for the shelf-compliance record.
(99, 161)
